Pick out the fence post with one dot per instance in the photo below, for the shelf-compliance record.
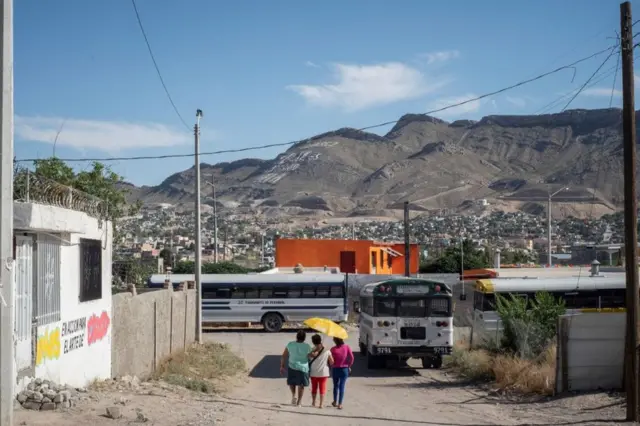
(171, 324)
(563, 353)
(186, 310)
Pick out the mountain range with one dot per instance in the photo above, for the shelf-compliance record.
(507, 162)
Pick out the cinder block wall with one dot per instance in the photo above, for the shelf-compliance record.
(148, 327)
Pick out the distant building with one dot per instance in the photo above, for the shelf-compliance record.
(351, 256)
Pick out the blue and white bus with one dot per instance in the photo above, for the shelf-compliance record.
(271, 299)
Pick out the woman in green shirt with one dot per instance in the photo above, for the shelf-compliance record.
(297, 354)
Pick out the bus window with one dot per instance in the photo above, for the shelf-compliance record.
(208, 293)
(280, 292)
(385, 308)
(489, 302)
(252, 292)
(336, 291)
(223, 293)
(612, 298)
(439, 307)
(308, 292)
(237, 293)
(575, 300)
(322, 291)
(412, 308)
(478, 298)
(266, 292)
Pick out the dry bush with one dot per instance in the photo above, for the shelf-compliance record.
(200, 367)
(508, 371)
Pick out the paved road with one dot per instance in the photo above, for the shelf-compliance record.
(401, 396)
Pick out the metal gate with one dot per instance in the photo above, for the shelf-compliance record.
(24, 301)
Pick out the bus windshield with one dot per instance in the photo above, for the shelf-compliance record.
(413, 308)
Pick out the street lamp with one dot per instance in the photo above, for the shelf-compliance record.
(551, 195)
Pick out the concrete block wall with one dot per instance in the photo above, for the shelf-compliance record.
(149, 327)
(590, 351)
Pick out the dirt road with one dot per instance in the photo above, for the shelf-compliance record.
(402, 396)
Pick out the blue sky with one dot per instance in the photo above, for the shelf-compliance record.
(272, 71)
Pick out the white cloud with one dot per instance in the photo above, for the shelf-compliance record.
(601, 91)
(109, 136)
(518, 102)
(441, 56)
(469, 107)
(312, 64)
(364, 86)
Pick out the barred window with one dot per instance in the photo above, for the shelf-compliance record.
(48, 280)
(90, 270)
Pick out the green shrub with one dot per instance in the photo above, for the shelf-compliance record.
(528, 325)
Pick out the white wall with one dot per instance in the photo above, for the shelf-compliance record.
(590, 351)
(90, 355)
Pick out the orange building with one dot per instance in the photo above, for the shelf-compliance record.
(352, 256)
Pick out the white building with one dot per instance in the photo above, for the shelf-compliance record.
(62, 274)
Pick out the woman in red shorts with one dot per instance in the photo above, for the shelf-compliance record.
(320, 360)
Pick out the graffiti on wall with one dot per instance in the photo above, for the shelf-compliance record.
(48, 346)
(73, 334)
(97, 327)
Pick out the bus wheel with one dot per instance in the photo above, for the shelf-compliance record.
(427, 361)
(272, 322)
(437, 361)
(374, 362)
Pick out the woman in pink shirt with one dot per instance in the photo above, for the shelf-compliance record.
(342, 362)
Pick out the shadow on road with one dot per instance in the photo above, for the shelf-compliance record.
(267, 368)
(393, 369)
(220, 330)
(331, 413)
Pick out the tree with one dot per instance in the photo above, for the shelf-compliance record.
(188, 267)
(166, 256)
(450, 261)
(517, 256)
(100, 181)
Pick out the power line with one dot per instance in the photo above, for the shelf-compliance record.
(589, 79)
(615, 77)
(387, 123)
(155, 64)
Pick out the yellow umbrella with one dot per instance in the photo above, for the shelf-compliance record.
(326, 326)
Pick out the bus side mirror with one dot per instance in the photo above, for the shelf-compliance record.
(463, 296)
(356, 307)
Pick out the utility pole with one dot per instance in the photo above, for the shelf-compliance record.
(7, 297)
(215, 221)
(630, 211)
(407, 243)
(198, 263)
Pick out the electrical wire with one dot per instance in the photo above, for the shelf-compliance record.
(589, 79)
(155, 64)
(387, 123)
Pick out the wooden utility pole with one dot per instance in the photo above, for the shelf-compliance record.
(630, 212)
(407, 243)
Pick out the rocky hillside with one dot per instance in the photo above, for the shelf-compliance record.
(510, 161)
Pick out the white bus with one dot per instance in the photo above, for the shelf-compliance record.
(271, 299)
(405, 318)
(583, 294)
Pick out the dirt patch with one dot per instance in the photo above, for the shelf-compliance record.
(508, 372)
(201, 368)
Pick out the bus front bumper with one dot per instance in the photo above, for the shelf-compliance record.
(411, 351)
